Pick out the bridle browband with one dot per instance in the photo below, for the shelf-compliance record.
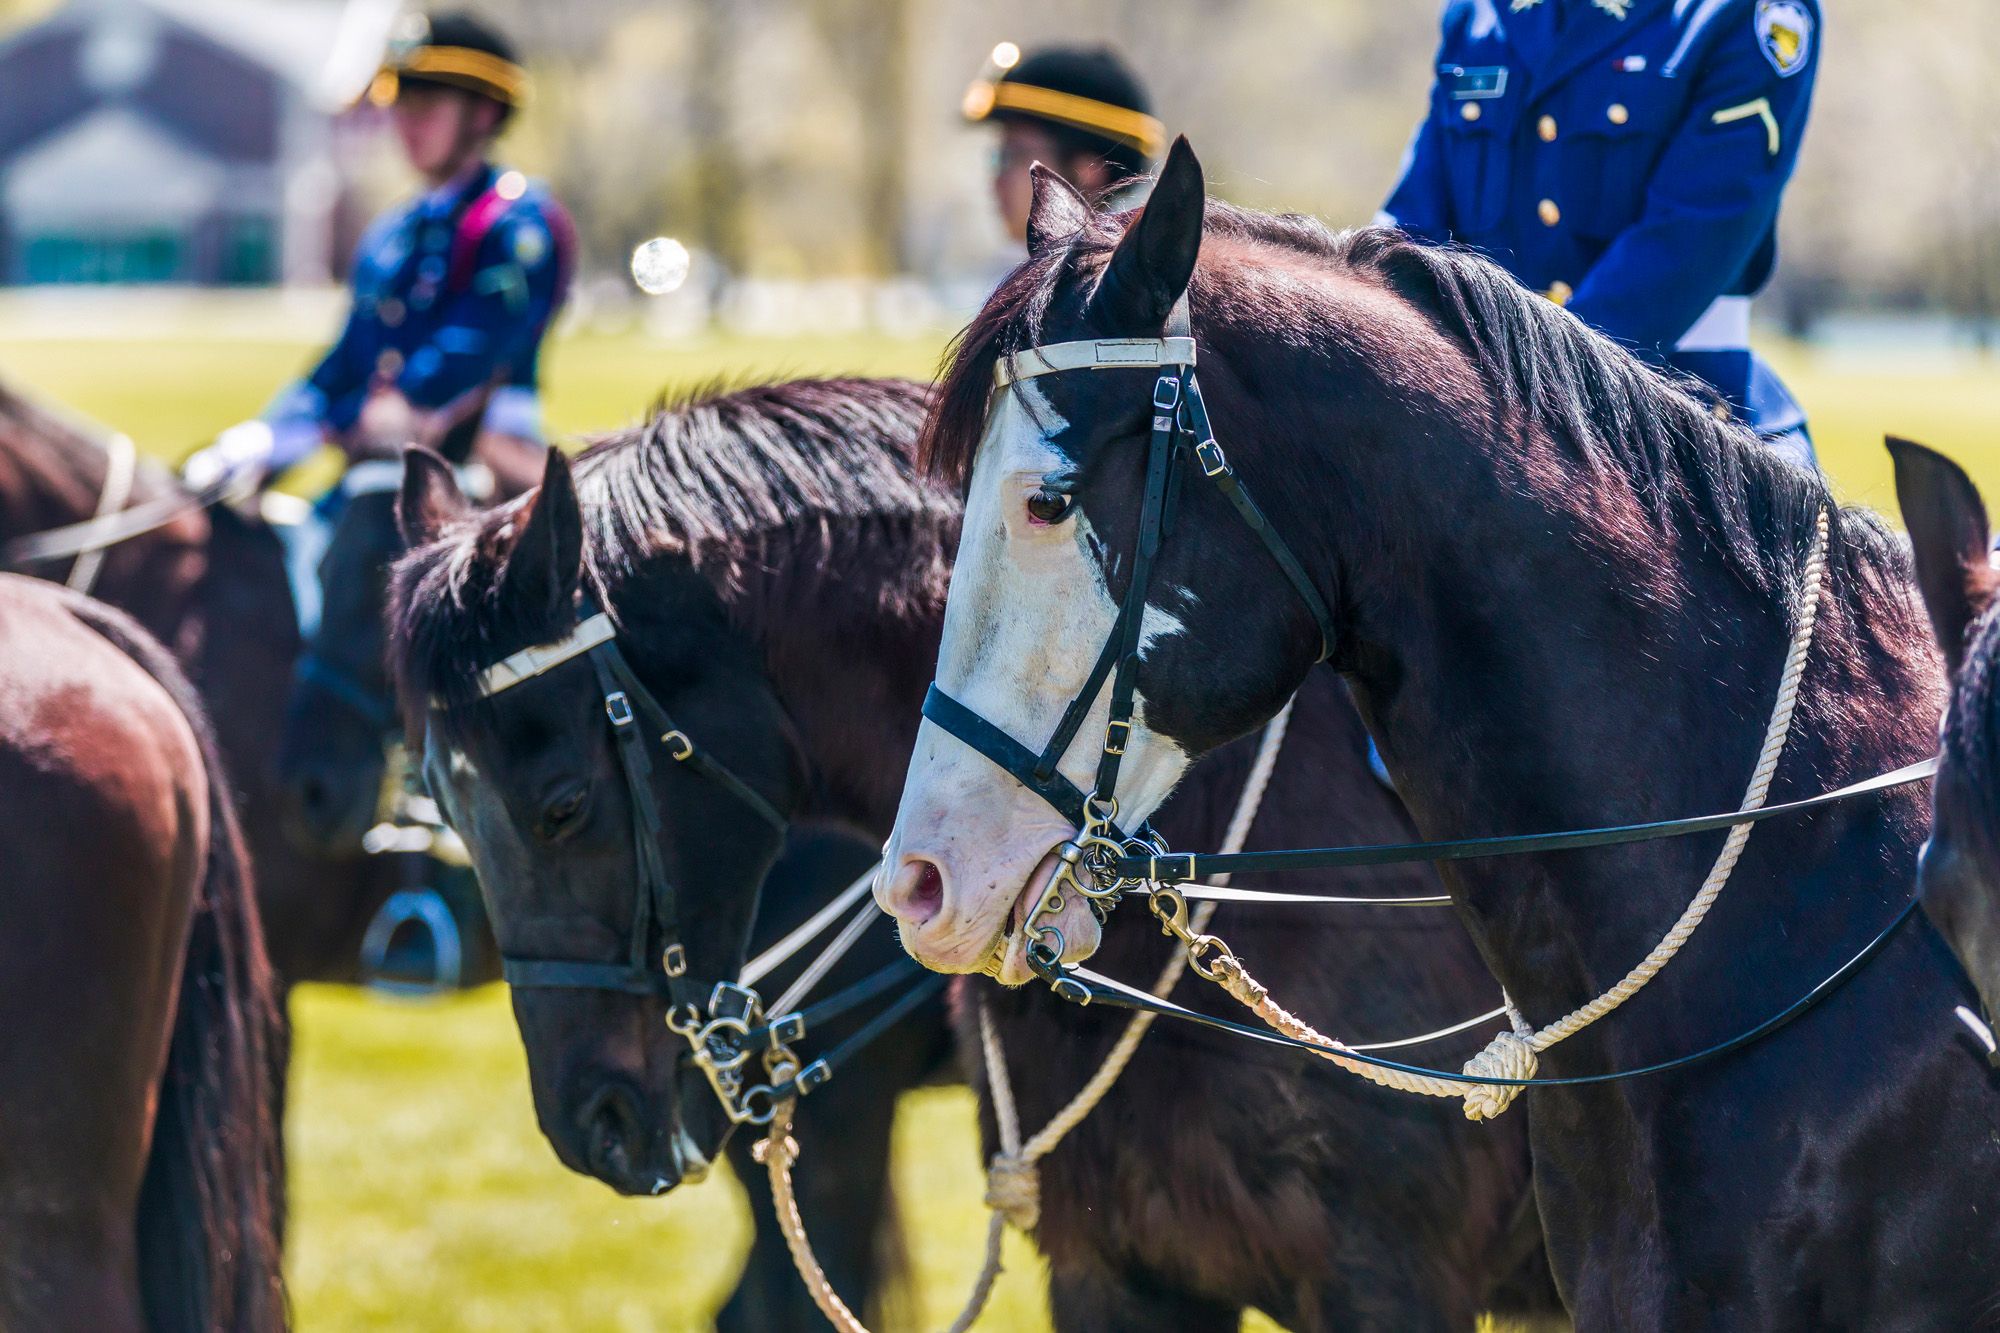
(1180, 433)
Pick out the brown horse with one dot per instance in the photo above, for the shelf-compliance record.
(1564, 595)
(140, 1183)
(211, 586)
(777, 575)
(1960, 869)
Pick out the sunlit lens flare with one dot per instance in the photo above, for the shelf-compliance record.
(660, 266)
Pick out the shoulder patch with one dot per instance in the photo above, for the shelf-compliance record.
(1785, 33)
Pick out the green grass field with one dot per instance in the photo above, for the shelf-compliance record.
(423, 1196)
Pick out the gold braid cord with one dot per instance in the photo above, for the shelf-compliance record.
(1514, 1054)
(778, 1152)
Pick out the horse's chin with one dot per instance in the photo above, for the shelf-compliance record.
(1006, 960)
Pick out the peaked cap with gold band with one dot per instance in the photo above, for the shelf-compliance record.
(455, 50)
(1086, 90)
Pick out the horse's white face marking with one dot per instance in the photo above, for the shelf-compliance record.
(1027, 616)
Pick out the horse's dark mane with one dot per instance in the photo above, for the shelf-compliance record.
(1593, 406)
(1972, 733)
(792, 498)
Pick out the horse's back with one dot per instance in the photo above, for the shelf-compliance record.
(106, 788)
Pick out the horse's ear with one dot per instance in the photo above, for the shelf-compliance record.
(546, 563)
(1949, 534)
(430, 499)
(1153, 263)
(1056, 210)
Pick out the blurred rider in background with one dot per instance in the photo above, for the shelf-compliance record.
(453, 290)
(1079, 111)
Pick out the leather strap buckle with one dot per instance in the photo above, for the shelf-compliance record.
(618, 708)
(1122, 730)
(1209, 454)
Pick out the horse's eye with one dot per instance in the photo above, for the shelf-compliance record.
(562, 814)
(1047, 506)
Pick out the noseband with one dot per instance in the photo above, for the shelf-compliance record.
(717, 1022)
(1181, 436)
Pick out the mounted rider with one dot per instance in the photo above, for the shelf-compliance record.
(453, 290)
(1627, 158)
(1079, 111)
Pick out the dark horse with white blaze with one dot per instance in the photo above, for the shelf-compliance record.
(1562, 593)
(1953, 542)
(140, 1184)
(777, 572)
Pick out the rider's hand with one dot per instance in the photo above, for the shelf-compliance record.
(388, 423)
(244, 451)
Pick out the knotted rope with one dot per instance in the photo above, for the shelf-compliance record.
(1514, 1054)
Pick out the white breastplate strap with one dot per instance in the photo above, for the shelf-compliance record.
(531, 662)
(1093, 354)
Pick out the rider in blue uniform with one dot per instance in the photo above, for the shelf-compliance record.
(453, 291)
(1626, 157)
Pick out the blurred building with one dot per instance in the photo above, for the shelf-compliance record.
(183, 141)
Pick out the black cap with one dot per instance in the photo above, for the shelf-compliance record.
(1088, 96)
(455, 49)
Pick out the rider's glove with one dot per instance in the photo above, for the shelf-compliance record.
(242, 451)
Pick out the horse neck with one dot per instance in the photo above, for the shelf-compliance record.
(1517, 682)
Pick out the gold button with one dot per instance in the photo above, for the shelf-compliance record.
(1548, 212)
(1560, 292)
(1546, 127)
(1470, 111)
(1617, 114)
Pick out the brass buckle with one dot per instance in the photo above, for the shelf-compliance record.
(680, 748)
(1124, 729)
(674, 959)
(1209, 454)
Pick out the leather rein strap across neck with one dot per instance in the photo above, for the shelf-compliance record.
(1180, 430)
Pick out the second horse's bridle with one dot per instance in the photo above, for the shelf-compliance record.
(716, 1022)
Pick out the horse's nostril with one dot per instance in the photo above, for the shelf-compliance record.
(917, 892)
(611, 1113)
(612, 1131)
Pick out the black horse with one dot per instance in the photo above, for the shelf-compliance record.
(1960, 870)
(777, 573)
(1562, 592)
(338, 728)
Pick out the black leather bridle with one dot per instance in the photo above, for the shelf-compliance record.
(715, 1019)
(1181, 437)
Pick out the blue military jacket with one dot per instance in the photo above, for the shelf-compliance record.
(1626, 157)
(453, 293)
